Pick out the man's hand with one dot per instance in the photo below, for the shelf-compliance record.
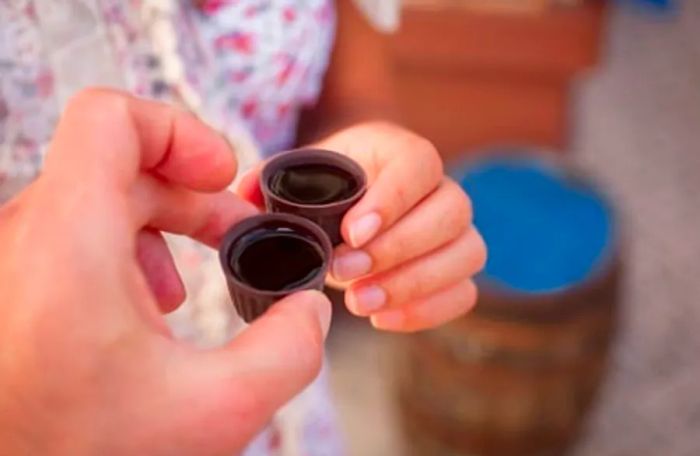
(87, 364)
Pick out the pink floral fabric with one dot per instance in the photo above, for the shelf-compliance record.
(252, 66)
(28, 111)
(254, 63)
(272, 81)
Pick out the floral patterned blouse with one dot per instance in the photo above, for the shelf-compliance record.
(246, 67)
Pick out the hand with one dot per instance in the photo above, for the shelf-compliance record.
(87, 365)
(411, 248)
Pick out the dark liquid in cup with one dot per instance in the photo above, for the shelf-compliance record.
(313, 184)
(276, 260)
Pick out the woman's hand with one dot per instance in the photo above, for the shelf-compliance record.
(87, 364)
(411, 249)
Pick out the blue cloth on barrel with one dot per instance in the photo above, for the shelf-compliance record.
(545, 230)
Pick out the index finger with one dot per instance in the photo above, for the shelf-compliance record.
(112, 137)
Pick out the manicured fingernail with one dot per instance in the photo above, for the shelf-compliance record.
(351, 265)
(364, 229)
(367, 299)
(390, 320)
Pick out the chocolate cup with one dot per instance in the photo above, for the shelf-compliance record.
(328, 216)
(251, 302)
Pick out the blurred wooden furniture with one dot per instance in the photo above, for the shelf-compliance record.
(468, 79)
(508, 6)
(505, 6)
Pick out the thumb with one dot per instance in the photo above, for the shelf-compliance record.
(268, 364)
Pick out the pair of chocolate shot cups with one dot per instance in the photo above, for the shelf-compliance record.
(288, 249)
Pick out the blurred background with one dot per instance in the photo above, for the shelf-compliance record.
(585, 115)
(574, 125)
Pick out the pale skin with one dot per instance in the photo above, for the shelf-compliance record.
(87, 364)
(410, 247)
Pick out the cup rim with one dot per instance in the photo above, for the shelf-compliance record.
(251, 223)
(313, 156)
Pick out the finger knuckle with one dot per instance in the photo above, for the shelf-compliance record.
(401, 290)
(430, 158)
(455, 222)
(107, 103)
(420, 318)
(238, 404)
(86, 96)
(401, 198)
(387, 253)
(467, 206)
(305, 339)
(482, 252)
(460, 212)
(472, 248)
(383, 124)
(309, 359)
(469, 295)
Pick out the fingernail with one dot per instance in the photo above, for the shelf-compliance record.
(366, 299)
(324, 317)
(323, 309)
(364, 229)
(351, 265)
(390, 320)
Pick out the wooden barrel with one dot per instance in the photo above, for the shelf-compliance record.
(517, 375)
